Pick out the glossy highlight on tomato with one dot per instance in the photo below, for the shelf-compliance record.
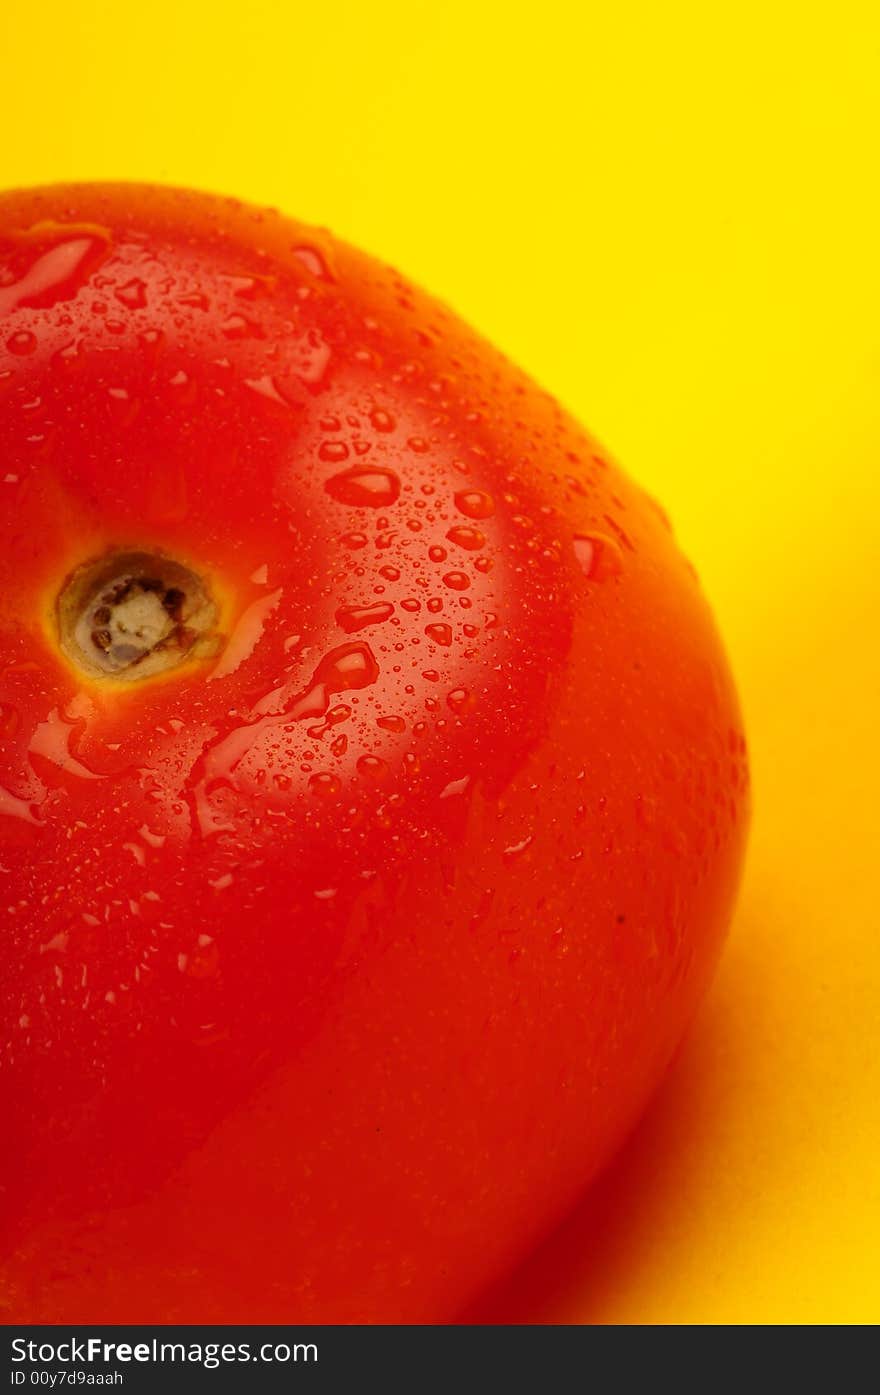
(372, 782)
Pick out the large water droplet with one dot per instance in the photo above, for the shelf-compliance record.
(323, 782)
(374, 488)
(460, 700)
(269, 388)
(311, 360)
(348, 666)
(54, 275)
(372, 767)
(340, 713)
(51, 740)
(396, 724)
(457, 581)
(470, 538)
(356, 617)
(251, 287)
(246, 634)
(599, 557)
(239, 327)
(314, 262)
(15, 808)
(475, 503)
(455, 788)
(21, 343)
(333, 451)
(133, 294)
(382, 421)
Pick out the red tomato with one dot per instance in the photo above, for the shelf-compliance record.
(372, 786)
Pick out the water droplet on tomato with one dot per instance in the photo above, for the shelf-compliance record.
(475, 503)
(373, 488)
(348, 666)
(239, 327)
(246, 635)
(51, 740)
(324, 782)
(194, 300)
(15, 808)
(599, 557)
(440, 634)
(21, 343)
(48, 277)
(516, 848)
(268, 387)
(372, 767)
(151, 339)
(133, 294)
(470, 538)
(457, 581)
(396, 724)
(455, 787)
(356, 617)
(382, 421)
(459, 700)
(204, 960)
(251, 287)
(333, 451)
(313, 261)
(311, 360)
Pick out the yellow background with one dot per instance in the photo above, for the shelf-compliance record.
(669, 214)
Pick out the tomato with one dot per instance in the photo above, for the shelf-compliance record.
(372, 787)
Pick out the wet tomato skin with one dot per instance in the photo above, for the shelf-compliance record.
(337, 958)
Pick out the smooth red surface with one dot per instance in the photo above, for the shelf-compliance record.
(334, 967)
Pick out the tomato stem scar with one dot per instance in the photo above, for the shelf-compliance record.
(131, 615)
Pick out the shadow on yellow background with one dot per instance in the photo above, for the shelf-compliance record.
(669, 215)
